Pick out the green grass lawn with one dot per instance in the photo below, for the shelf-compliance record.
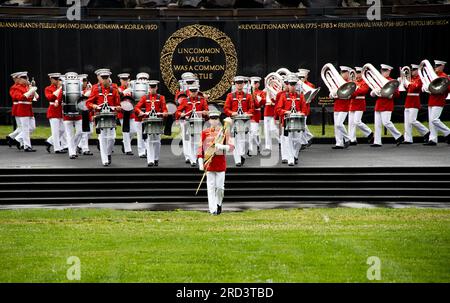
(297, 245)
(43, 132)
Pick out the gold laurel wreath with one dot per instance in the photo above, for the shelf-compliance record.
(202, 31)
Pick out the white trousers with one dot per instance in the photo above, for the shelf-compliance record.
(26, 126)
(127, 136)
(340, 132)
(84, 142)
(307, 133)
(283, 145)
(294, 142)
(183, 139)
(106, 139)
(192, 147)
(435, 124)
(410, 121)
(253, 141)
(140, 141)
(270, 132)
(240, 147)
(73, 139)
(215, 182)
(153, 145)
(58, 136)
(18, 129)
(354, 121)
(384, 119)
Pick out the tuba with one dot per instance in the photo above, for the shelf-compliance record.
(432, 83)
(335, 83)
(283, 71)
(309, 92)
(405, 78)
(273, 84)
(352, 75)
(384, 87)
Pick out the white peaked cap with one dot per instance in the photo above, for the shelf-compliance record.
(414, 66)
(123, 75)
(54, 75)
(344, 68)
(153, 82)
(142, 75)
(385, 66)
(439, 62)
(358, 69)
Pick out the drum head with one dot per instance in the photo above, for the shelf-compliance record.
(171, 108)
(215, 107)
(126, 105)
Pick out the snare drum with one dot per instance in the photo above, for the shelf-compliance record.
(240, 124)
(153, 125)
(105, 120)
(295, 122)
(194, 126)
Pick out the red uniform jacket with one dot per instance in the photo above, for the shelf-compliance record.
(91, 113)
(258, 105)
(439, 100)
(284, 104)
(24, 107)
(120, 114)
(53, 111)
(386, 104)
(98, 96)
(218, 162)
(232, 103)
(14, 103)
(308, 105)
(178, 94)
(413, 93)
(67, 118)
(358, 100)
(187, 104)
(145, 104)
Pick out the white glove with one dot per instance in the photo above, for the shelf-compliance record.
(259, 98)
(56, 92)
(36, 97)
(87, 93)
(223, 147)
(30, 92)
(407, 83)
(200, 164)
(127, 91)
(375, 93)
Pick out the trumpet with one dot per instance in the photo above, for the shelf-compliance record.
(335, 83)
(405, 78)
(432, 83)
(383, 87)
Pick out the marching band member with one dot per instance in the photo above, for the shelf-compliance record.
(24, 93)
(283, 139)
(184, 111)
(101, 93)
(232, 104)
(383, 112)
(341, 109)
(270, 128)
(436, 103)
(15, 135)
(357, 108)
(217, 138)
(71, 123)
(303, 75)
(141, 146)
(125, 91)
(83, 146)
(412, 107)
(287, 102)
(55, 115)
(156, 102)
(187, 79)
(259, 99)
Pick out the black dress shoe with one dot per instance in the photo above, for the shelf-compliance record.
(291, 164)
(9, 140)
(248, 154)
(303, 147)
(48, 146)
(29, 150)
(346, 144)
(370, 138)
(59, 152)
(150, 164)
(143, 156)
(337, 147)
(375, 145)
(284, 161)
(295, 160)
(193, 164)
(242, 160)
(187, 161)
(98, 145)
(238, 164)
(399, 140)
(105, 164)
(309, 143)
(353, 143)
(109, 159)
(88, 153)
(129, 154)
(219, 209)
(73, 157)
(406, 142)
(447, 138)
(430, 143)
(19, 147)
(426, 137)
(65, 150)
(156, 162)
(79, 150)
(123, 148)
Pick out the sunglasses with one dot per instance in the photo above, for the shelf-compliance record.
(239, 82)
(193, 90)
(24, 77)
(55, 78)
(189, 82)
(293, 83)
(153, 86)
(105, 77)
(214, 118)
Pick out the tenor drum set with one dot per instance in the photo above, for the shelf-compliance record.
(153, 125)
(295, 122)
(72, 92)
(240, 124)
